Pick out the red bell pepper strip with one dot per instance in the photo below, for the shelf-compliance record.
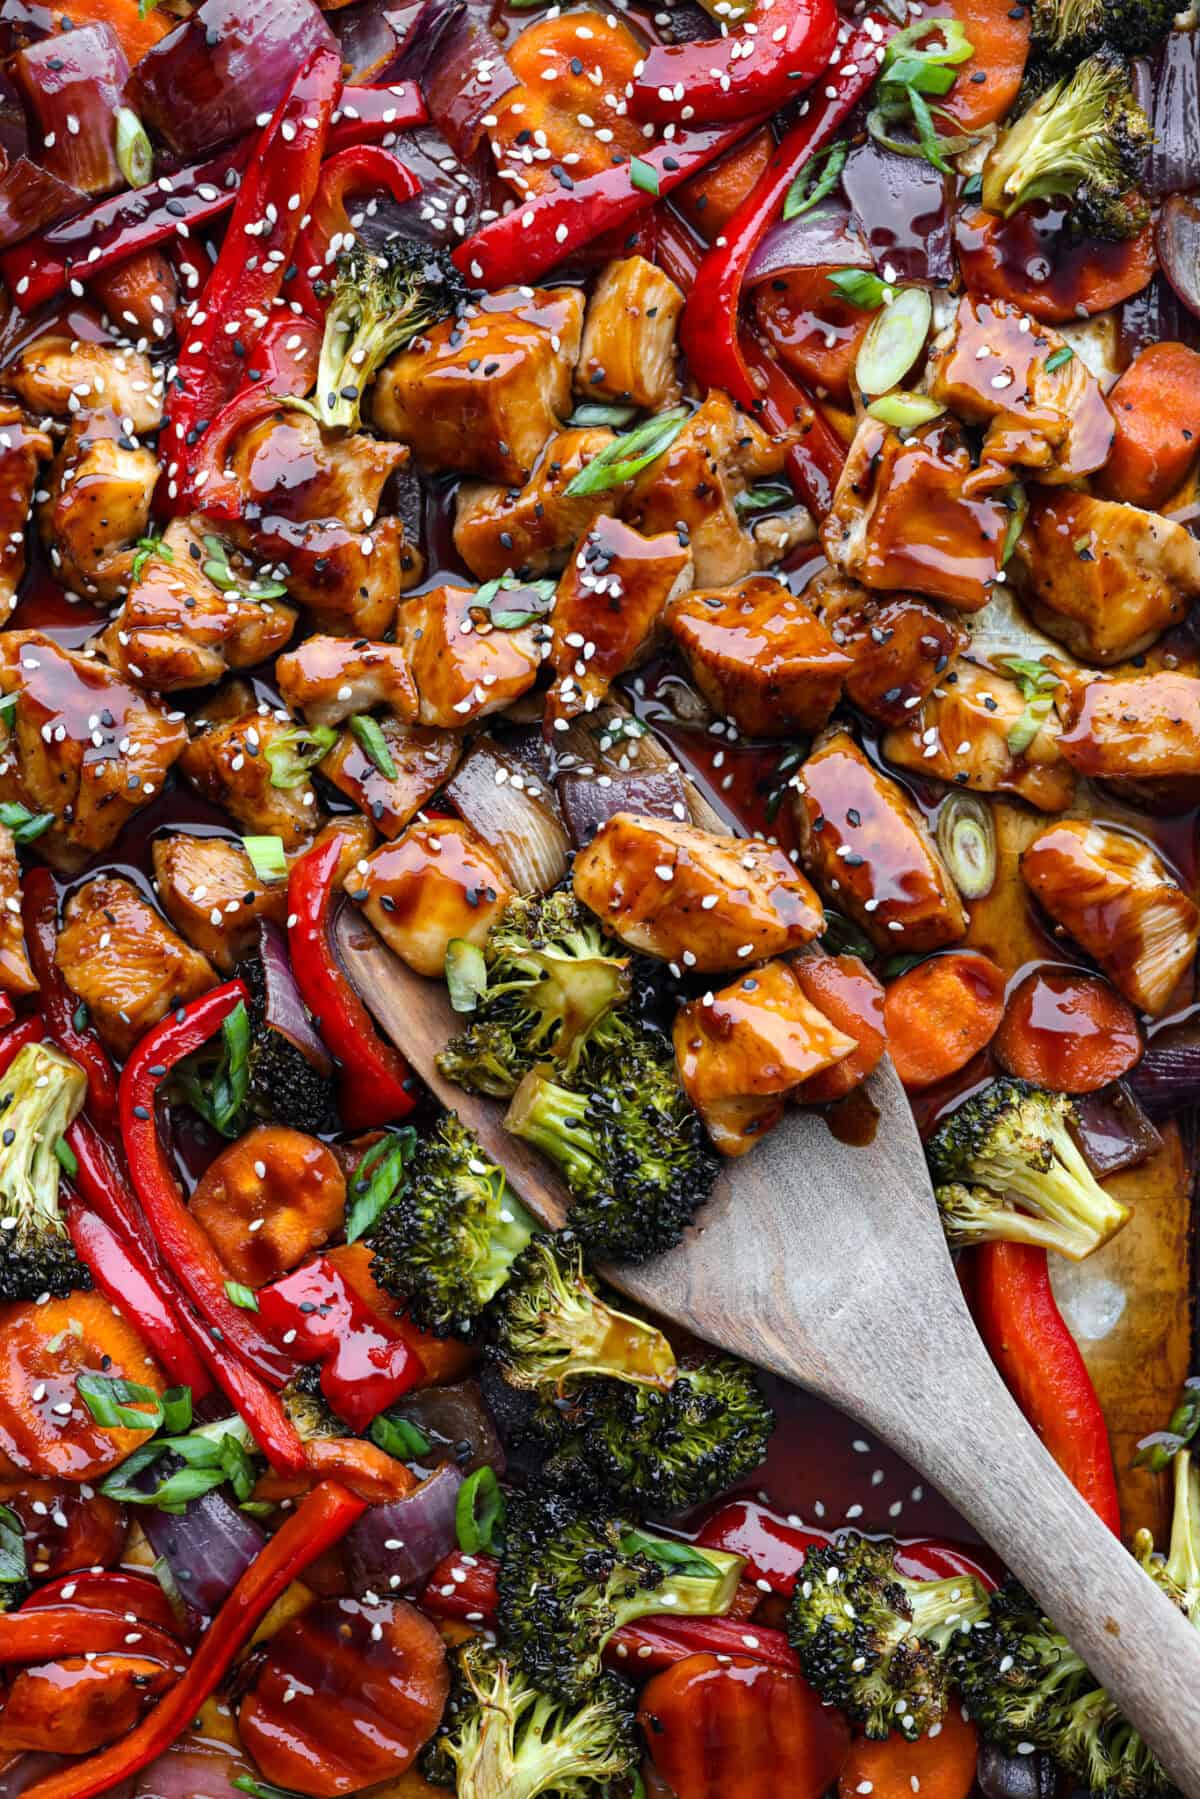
(206, 480)
(538, 233)
(100, 1181)
(757, 68)
(276, 191)
(1039, 1359)
(926, 1558)
(361, 169)
(319, 1521)
(59, 1005)
(773, 1548)
(284, 360)
(318, 1315)
(649, 1644)
(30, 1030)
(43, 1634)
(372, 115)
(7, 1011)
(41, 267)
(376, 1085)
(131, 1596)
(462, 1586)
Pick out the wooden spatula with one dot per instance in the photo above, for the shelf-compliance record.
(828, 1265)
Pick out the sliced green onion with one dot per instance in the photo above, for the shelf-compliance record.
(643, 174)
(1058, 359)
(290, 762)
(972, 188)
(815, 180)
(24, 824)
(955, 47)
(144, 549)
(591, 413)
(842, 936)
(218, 571)
(68, 1161)
(466, 974)
(1038, 685)
(1159, 1450)
(479, 1513)
(894, 340)
(135, 153)
(117, 1404)
(241, 1296)
(267, 858)
(246, 1783)
(1017, 501)
(860, 286)
(13, 1565)
(399, 1437)
(681, 1558)
(761, 499)
(379, 1180)
(370, 735)
(628, 455)
(8, 706)
(904, 410)
(966, 835)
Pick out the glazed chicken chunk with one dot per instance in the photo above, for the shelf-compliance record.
(899, 647)
(695, 898)
(125, 963)
(531, 529)
(16, 976)
(422, 759)
(760, 656)
(1103, 578)
(483, 391)
(23, 450)
(741, 1051)
(81, 744)
(98, 505)
(60, 377)
(208, 888)
(867, 850)
(628, 348)
(329, 679)
(255, 766)
(465, 667)
(438, 882)
(1119, 901)
(1140, 733)
(962, 734)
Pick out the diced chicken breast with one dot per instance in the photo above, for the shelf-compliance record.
(256, 768)
(483, 391)
(59, 377)
(867, 850)
(740, 1052)
(1119, 901)
(531, 529)
(126, 964)
(692, 897)
(329, 679)
(961, 735)
(16, 976)
(628, 347)
(608, 610)
(1140, 733)
(902, 518)
(1042, 406)
(81, 744)
(437, 882)
(424, 759)
(465, 667)
(349, 581)
(23, 450)
(1103, 578)
(760, 656)
(100, 489)
(208, 888)
(899, 647)
(288, 465)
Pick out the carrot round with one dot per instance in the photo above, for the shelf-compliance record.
(1067, 1030)
(941, 1013)
(1156, 406)
(709, 200)
(847, 993)
(999, 34)
(1045, 271)
(814, 329)
(939, 1765)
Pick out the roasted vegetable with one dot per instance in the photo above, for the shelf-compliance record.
(41, 1093)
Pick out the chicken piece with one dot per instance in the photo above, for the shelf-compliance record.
(438, 882)
(97, 505)
(610, 604)
(1041, 404)
(289, 466)
(867, 850)
(58, 376)
(760, 656)
(692, 488)
(255, 767)
(209, 890)
(741, 1051)
(81, 743)
(695, 898)
(961, 735)
(424, 759)
(482, 392)
(531, 529)
(268, 1201)
(124, 962)
(902, 518)
(178, 629)
(899, 647)
(1138, 733)
(22, 452)
(628, 347)
(348, 580)
(1103, 578)
(1119, 901)
(465, 667)
(329, 679)
(16, 976)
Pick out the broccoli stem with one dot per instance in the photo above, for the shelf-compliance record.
(554, 1120)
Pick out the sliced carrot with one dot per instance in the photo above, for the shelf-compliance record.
(577, 64)
(709, 200)
(999, 33)
(815, 331)
(138, 27)
(1156, 405)
(1033, 261)
(77, 1704)
(444, 1358)
(1068, 1031)
(269, 1200)
(845, 990)
(367, 1470)
(941, 1013)
(939, 1765)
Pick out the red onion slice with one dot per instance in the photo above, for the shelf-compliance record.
(461, 69)
(1113, 1131)
(206, 1548)
(396, 1545)
(74, 85)
(1177, 239)
(826, 237)
(32, 198)
(513, 811)
(901, 206)
(1174, 160)
(285, 1011)
(1167, 1079)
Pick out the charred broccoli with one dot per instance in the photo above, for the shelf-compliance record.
(380, 300)
(284, 1086)
(571, 1575)
(1083, 141)
(40, 1095)
(446, 1244)
(15, 1585)
(304, 1401)
(1066, 31)
(1014, 1139)
(875, 1644)
(552, 979)
(552, 1327)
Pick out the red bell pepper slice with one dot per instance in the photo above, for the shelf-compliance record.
(462, 1586)
(59, 1004)
(757, 68)
(318, 1315)
(30, 1030)
(371, 115)
(109, 1590)
(376, 1085)
(774, 1549)
(649, 1644)
(207, 479)
(926, 1558)
(102, 1183)
(43, 1634)
(319, 1521)
(361, 169)
(1039, 1359)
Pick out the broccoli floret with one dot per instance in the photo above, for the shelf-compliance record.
(284, 1086)
(380, 300)
(873, 1643)
(1083, 141)
(446, 1245)
(571, 1575)
(304, 1401)
(1014, 1139)
(40, 1095)
(1066, 31)
(503, 1739)
(552, 979)
(552, 1327)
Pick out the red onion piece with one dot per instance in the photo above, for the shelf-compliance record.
(1177, 239)
(1156, 315)
(1004, 1776)
(1174, 160)
(586, 805)
(368, 40)
(285, 1011)
(404, 1541)
(74, 85)
(461, 69)
(207, 1548)
(1113, 1131)
(901, 205)
(32, 198)
(518, 816)
(1167, 1079)
(826, 237)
